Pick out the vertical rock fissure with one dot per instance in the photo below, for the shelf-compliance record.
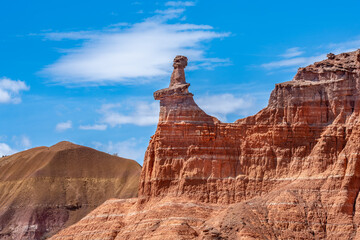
(355, 225)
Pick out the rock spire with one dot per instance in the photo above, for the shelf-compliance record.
(178, 75)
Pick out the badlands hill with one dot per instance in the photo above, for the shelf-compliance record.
(45, 189)
(292, 171)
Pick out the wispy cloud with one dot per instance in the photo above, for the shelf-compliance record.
(180, 4)
(346, 46)
(6, 150)
(132, 54)
(80, 35)
(139, 113)
(146, 113)
(10, 90)
(21, 142)
(167, 14)
(294, 62)
(25, 141)
(99, 127)
(130, 148)
(294, 57)
(18, 143)
(292, 52)
(63, 126)
(223, 104)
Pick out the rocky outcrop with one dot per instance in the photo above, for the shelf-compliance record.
(292, 171)
(194, 155)
(45, 189)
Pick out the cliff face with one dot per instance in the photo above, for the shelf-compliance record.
(194, 155)
(43, 190)
(291, 171)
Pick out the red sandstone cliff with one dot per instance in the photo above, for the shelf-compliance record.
(292, 171)
(44, 189)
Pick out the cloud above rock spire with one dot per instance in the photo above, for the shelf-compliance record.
(133, 53)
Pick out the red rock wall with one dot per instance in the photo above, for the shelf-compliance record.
(195, 155)
(292, 171)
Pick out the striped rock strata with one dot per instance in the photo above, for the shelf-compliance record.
(292, 171)
(45, 189)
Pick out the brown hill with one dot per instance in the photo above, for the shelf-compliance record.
(292, 171)
(45, 189)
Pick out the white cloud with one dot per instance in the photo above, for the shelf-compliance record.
(293, 59)
(21, 142)
(180, 4)
(25, 142)
(63, 126)
(144, 113)
(294, 62)
(346, 46)
(6, 150)
(99, 127)
(10, 90)
(167, 14)
(139, 113)
(131, 148)
(120, 24)
(292, 52)
(223, 104)
(132, 55)
(4, 96)
(80, 35)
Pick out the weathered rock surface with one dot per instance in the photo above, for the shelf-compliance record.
(43, 190)
(292, 171)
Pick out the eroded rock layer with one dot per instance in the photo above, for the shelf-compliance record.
(292, 171)
(43, 190)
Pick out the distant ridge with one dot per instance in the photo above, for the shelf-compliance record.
(45, 189)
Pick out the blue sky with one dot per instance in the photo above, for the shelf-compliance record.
(85, 71)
